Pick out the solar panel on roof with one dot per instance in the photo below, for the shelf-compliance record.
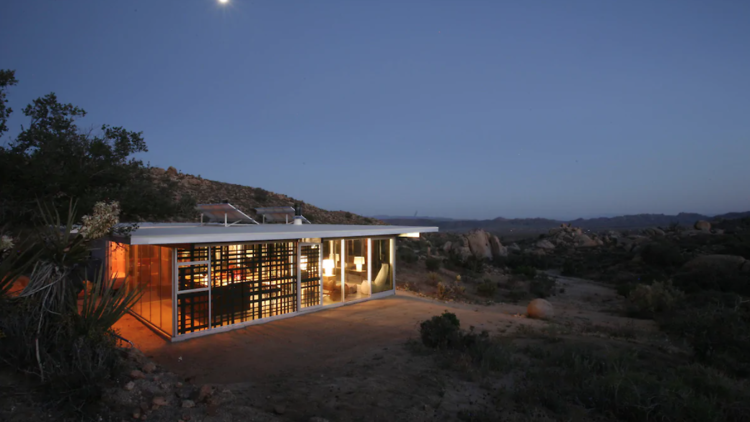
(224, 213)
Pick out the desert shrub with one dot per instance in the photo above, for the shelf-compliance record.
(572, 268)
(719, 332)
(487, 288)
(517, 295)
(542, 286)
(624, 289)
(738, 245)
(69, 346)
(449, 290)
(646, 300)
(441, 331)
(536, 261)
(525, 270)
(433, 279)
(662, 254)
(444, 332)
(713, 277)
(621, 384)
(407, 255)
(432, 264)
(261, 195)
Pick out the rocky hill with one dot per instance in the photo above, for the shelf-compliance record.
(245, 198)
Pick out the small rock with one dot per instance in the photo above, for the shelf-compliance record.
(137, 414)
(136, 374)
(187, 404)
(159, 401)
(178, 385)
(205, 392)
(149, 367)
(279, 409)
(186, 417)
(129, 386)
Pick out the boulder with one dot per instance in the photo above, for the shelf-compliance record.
(540, 309)
(728, 262)
(545, 244)
(702, 225)
(498, 249)
(479, 244)
(463, 253)
(584, 241)
(746, 267)
(171, 171)
(514, 247)
(447, 247)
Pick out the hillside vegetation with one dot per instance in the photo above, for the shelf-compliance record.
(246, 198)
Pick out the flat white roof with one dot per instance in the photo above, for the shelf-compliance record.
(172, 233)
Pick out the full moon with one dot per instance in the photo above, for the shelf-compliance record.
(223, 1)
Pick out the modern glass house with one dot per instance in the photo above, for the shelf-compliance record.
(200, 279)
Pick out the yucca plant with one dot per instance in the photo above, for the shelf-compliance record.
(103, 305)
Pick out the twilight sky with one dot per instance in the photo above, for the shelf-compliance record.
(464, 109)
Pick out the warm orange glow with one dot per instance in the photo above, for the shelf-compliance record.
(117, 261)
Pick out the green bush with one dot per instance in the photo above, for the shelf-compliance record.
(542, 286)
(487, 288)
(572, 268)
(662, 254)
(433, 279)
(525, 270)
(449, 290)
(433, 264)
(443, 331)
(713, 278)
(718, 332)
(407, 255)
(623, 384)
(647, 300)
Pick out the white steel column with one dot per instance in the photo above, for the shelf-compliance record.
(369, 264)
(343, 267)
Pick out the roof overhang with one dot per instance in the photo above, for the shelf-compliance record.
(168, 234)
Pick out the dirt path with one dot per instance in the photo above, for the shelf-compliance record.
(352, 363)
(309, 343)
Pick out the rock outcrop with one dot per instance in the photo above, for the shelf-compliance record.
(479, 244)
(497, 248)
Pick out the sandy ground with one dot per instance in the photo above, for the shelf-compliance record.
(311, 342)
(352, 362)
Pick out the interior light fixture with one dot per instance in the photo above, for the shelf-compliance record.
(359, 261)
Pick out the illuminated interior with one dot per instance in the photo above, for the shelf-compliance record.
(223, 285)
(149, 267)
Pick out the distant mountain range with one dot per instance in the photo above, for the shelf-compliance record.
(525, 226)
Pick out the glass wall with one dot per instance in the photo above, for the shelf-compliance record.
(252, 281)
(382, 269)
(310, 275)
(149, 267)
(331, 272)
(356, 279)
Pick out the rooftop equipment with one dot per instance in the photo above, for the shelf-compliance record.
(285, 215)
(224, 213)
